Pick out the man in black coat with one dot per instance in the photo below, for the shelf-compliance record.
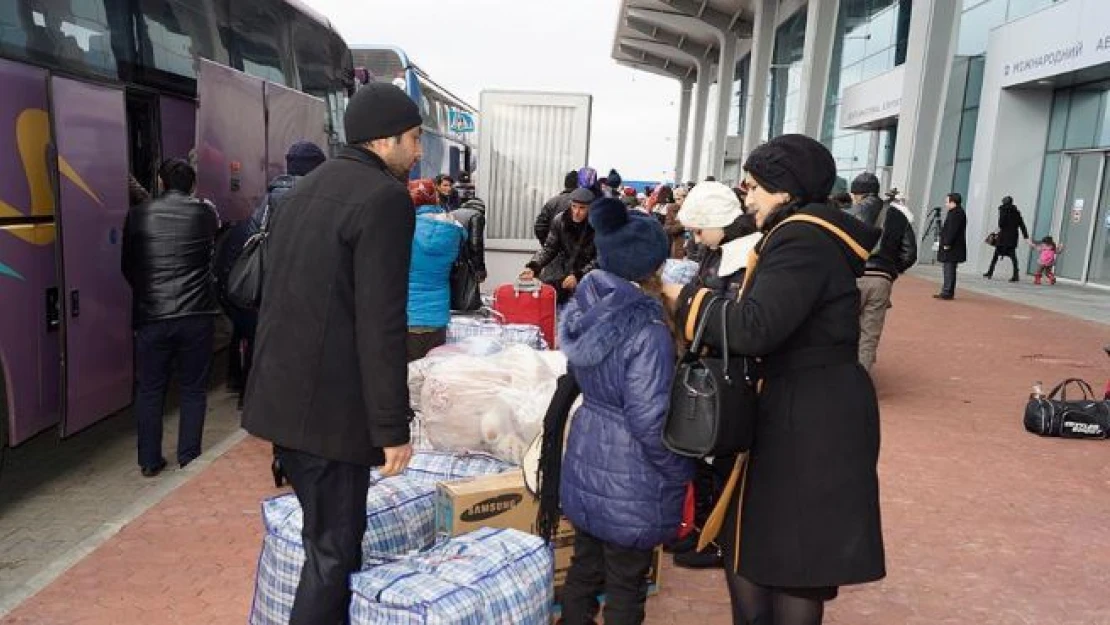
(330, 380)
(167, 260)
(569, 252)
(895, 253)
(554, 207)
(953, 244)
(1009, 223)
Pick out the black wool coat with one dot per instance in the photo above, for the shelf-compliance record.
(329, 375)
(1010, 222)
(953, 237)
(810, 516)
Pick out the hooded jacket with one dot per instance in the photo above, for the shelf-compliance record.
(897, 249)
(552, 209)
(619, 483)
(435, 246)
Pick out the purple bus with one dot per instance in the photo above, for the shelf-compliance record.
(98, 90)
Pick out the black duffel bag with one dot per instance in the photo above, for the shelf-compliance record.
(1056, 415)
(713, 400)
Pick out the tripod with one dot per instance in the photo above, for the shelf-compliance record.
(933, 230)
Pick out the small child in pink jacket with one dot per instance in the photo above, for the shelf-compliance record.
(1048, 252)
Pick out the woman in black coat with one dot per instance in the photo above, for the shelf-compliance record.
(1009, 222)
(808, 510)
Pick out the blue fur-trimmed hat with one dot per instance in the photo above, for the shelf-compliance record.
(629, 244)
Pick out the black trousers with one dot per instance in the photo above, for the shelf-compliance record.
(333, 497)
(604, 567)
(949, 288)
(186, 341)
(420, 343)
(1004, 252)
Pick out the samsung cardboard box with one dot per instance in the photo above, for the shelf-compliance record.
(502, 501)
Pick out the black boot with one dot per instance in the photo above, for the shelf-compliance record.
(279, 473)
(708, 558)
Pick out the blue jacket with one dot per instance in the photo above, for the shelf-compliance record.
(435, 246)
(619, 484)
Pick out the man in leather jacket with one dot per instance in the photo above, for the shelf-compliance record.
(167, 260)
(472, 216)
(895, 253)
(569, 253)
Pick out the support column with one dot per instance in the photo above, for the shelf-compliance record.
(763, 45)
(701, 105)
(934, 29)
(726, 74)
(821, 19)
(873, 152)
(687, 88)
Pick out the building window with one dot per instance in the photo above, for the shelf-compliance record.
(786, 76)
(871, 38)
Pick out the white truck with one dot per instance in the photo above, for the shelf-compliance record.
(529, 140)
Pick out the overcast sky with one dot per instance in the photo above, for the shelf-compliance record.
(471, 45)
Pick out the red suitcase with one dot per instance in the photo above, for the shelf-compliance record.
(528, 301)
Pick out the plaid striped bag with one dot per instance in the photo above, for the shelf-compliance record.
(433, 467)
(488, 577)
(400, 518)
(462, 327)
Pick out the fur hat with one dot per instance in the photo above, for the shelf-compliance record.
(795, 164)
(710, 205)
(629, 244)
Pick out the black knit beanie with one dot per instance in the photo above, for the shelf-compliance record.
(379, 110)
(795, 164)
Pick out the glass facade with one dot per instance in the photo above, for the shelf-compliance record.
(871, 38)
(981, 16)
(784, 108)
(1076, 157)
(978, 19)
(739, 104)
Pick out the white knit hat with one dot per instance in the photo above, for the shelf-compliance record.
(710, 205)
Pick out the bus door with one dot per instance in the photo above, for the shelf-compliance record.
(292, 116)
(29, 348)
(90, 181)
(230, 140)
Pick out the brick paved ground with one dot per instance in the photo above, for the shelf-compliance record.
(985, 524)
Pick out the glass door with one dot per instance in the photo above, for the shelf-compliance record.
(1099, 271)
(1078, 214)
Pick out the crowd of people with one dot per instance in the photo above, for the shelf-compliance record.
(361, 274)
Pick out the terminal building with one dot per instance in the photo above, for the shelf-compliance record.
(986, 98)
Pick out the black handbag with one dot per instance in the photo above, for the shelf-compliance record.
(713, 400)
(1056, 415)
(244, 281)
(466, 292)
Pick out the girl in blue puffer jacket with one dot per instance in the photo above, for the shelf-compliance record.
(620, 488)
(435, 246)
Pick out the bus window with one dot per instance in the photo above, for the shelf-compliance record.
(75, 36)
(175, 33)
(257, 32)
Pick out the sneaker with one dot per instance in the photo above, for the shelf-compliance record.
(708, 558)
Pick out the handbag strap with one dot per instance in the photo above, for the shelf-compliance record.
(699, 334)
(1062, 389)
